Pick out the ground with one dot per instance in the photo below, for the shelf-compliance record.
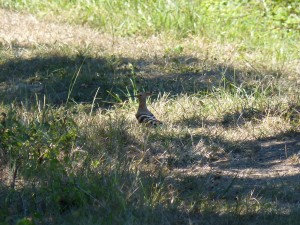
(254, 166)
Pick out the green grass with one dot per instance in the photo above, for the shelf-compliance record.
(82, 169)
(273, 27)
(72, 152)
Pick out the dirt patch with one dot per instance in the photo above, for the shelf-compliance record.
(273, 171)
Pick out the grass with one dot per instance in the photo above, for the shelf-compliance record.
(72, 151)
(104, 171)
(270, 26)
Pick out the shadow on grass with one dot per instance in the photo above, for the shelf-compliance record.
(115, 198)
(79, 76)
(119, 193)
(225, 170)
(259, 153)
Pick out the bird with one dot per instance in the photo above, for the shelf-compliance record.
(143, 114)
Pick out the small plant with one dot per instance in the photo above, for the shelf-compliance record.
(38, 144)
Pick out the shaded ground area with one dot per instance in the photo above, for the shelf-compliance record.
(54, 76)
(80, 60)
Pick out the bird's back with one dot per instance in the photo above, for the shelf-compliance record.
(148, 119)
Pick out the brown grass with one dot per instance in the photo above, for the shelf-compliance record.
(239, 152)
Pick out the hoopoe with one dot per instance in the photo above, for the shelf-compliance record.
(143, 115)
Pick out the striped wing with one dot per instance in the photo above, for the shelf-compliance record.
(148, 119)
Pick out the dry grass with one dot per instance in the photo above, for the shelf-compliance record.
(39, 32)
(227, 153)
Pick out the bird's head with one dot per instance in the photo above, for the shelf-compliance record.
(143, 95)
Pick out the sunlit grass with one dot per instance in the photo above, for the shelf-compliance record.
(249, 25)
